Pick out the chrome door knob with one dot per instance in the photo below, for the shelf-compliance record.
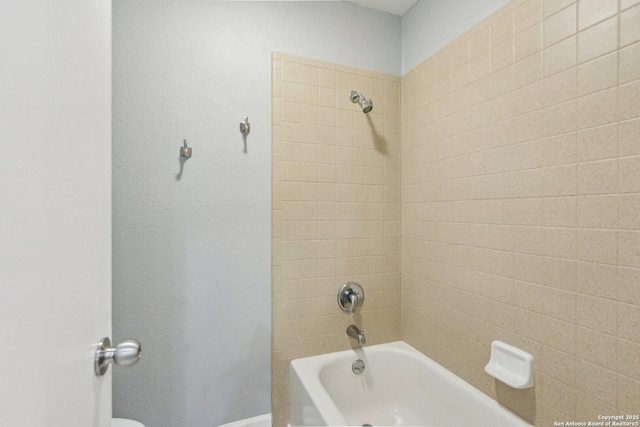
(127, 353)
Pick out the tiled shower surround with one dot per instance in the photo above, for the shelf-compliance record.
(336, 210)
(520, 201)
(520, 205)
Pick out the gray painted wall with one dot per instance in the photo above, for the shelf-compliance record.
(191, 240)
(430, 25)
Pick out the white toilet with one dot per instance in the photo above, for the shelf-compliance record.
(123, 422)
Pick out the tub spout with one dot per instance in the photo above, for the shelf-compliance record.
(356, 333)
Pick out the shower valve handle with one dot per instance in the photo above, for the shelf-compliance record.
(354, 302)
(350, 297)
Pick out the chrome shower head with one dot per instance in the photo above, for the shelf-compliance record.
(367, 104)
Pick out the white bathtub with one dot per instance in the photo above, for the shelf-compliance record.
(399, 387)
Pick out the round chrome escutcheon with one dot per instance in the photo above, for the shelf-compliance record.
(357, 367)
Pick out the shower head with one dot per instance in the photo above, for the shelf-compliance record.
(367, 104)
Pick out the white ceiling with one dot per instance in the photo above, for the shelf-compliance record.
(396, 7)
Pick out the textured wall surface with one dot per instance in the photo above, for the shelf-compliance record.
(520, 197)
(192, 240)
(336, 210)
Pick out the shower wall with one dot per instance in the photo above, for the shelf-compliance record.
(520, 200)
(336, 210)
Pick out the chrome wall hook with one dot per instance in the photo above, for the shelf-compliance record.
(185, 151)
(245, 127)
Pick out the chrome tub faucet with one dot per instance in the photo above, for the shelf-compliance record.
(356, 333)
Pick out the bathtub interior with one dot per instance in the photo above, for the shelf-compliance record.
(390, 397)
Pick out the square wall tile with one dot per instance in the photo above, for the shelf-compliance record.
(560, 56)
(559, 26)
(629, 101)
(527, 14)
(553, 6)
(630, 63)
(598, 40)
(597, 75)
(629, 29)
(593, 11)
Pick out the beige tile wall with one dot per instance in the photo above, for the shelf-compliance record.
(521, 204)
(336, 210)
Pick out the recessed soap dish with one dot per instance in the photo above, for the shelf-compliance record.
(510, 365)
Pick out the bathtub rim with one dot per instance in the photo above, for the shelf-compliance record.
(311, 367)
